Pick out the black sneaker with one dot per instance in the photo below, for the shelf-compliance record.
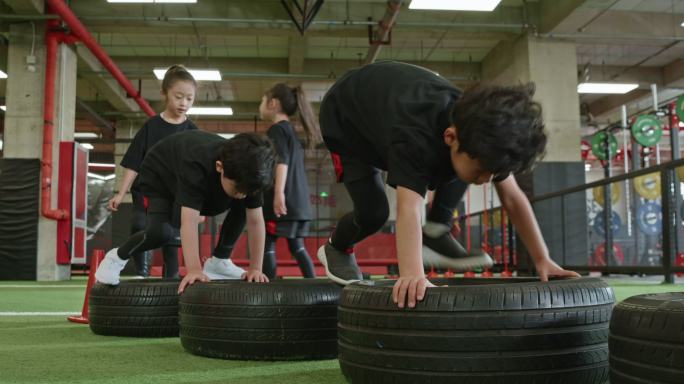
(340, 267)
(445, 252)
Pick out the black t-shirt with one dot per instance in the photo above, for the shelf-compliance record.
(392, 116)
(182, 168)
(154, 130)
(291, 153)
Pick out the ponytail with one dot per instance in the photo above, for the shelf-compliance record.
(306, 116)
(293, 101)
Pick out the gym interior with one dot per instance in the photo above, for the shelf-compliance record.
(80, 78)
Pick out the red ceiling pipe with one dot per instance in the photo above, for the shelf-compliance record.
(78, 29)
(53, 37)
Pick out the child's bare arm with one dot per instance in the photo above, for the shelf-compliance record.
(412, 282)
(256, 230)
(521, 214)
(189, 239)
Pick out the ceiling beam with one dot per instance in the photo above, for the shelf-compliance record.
(297, 53)
(106, 85)
(31, 7)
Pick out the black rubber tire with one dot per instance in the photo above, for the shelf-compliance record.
(482, 331)
(136, 308)
(282, 320)
(647, 339)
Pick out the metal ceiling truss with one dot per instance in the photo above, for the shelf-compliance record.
(302, 14)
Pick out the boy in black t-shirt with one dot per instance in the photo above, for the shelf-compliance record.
(413, 123)
(197, 173)
(178, 89)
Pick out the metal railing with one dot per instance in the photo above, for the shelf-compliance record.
(670, 201)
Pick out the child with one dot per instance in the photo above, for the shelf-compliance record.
(286, 206)
(413, 123)
(193, 173)
(178, 89)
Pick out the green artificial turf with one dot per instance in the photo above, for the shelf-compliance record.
(49, 349)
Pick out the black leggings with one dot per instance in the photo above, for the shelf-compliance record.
(143, 259)
(298, 251)
(371, 208)
(163, 221)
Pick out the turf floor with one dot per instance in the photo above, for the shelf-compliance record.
(39, 348)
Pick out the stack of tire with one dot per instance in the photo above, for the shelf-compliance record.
(647, 340)
(135, 308)
(483, 331)
(282, 320)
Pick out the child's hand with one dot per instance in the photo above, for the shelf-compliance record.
(113, 204)
(190, 278)
(547, 268)
(253, 275)
(279, 206)
(413, 287)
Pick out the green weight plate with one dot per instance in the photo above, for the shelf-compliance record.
(647, 130)
(598, 145)
(679, 108)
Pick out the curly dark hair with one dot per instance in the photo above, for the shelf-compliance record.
(500, 126)
(249, 160)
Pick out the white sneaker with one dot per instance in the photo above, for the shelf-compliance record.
(110, 268)
(221, 269)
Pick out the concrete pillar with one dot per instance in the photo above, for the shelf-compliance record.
(24, 122)
(552, 66)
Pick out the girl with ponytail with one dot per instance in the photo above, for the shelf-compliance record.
(287, 211)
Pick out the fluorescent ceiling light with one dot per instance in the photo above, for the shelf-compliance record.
(152, 1)
(4, 108)
(87, 146)
(100, 177)
(86, 135)
(216, 111)
(3, 75)
(227, 135)
(617, 88)
(1, 144)
(198, 74)
(455, 5)
(102, 165)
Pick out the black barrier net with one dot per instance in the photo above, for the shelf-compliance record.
(19, 209)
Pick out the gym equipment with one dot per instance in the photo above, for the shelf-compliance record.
(598, 259)
(646, 339)
(599, 224)
(615, 192)
(647, 130)
(650, 218)
(598, 145)
(679, 107)
(496, 330)
(680, 174)
(135, 308)
(494, 236)
(286, 319)
(95, 259)
(648, 186)
(585, 148)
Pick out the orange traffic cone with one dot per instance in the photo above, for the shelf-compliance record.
(98, 255)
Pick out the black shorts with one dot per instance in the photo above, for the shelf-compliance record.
(348, 169)
(290, 229)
